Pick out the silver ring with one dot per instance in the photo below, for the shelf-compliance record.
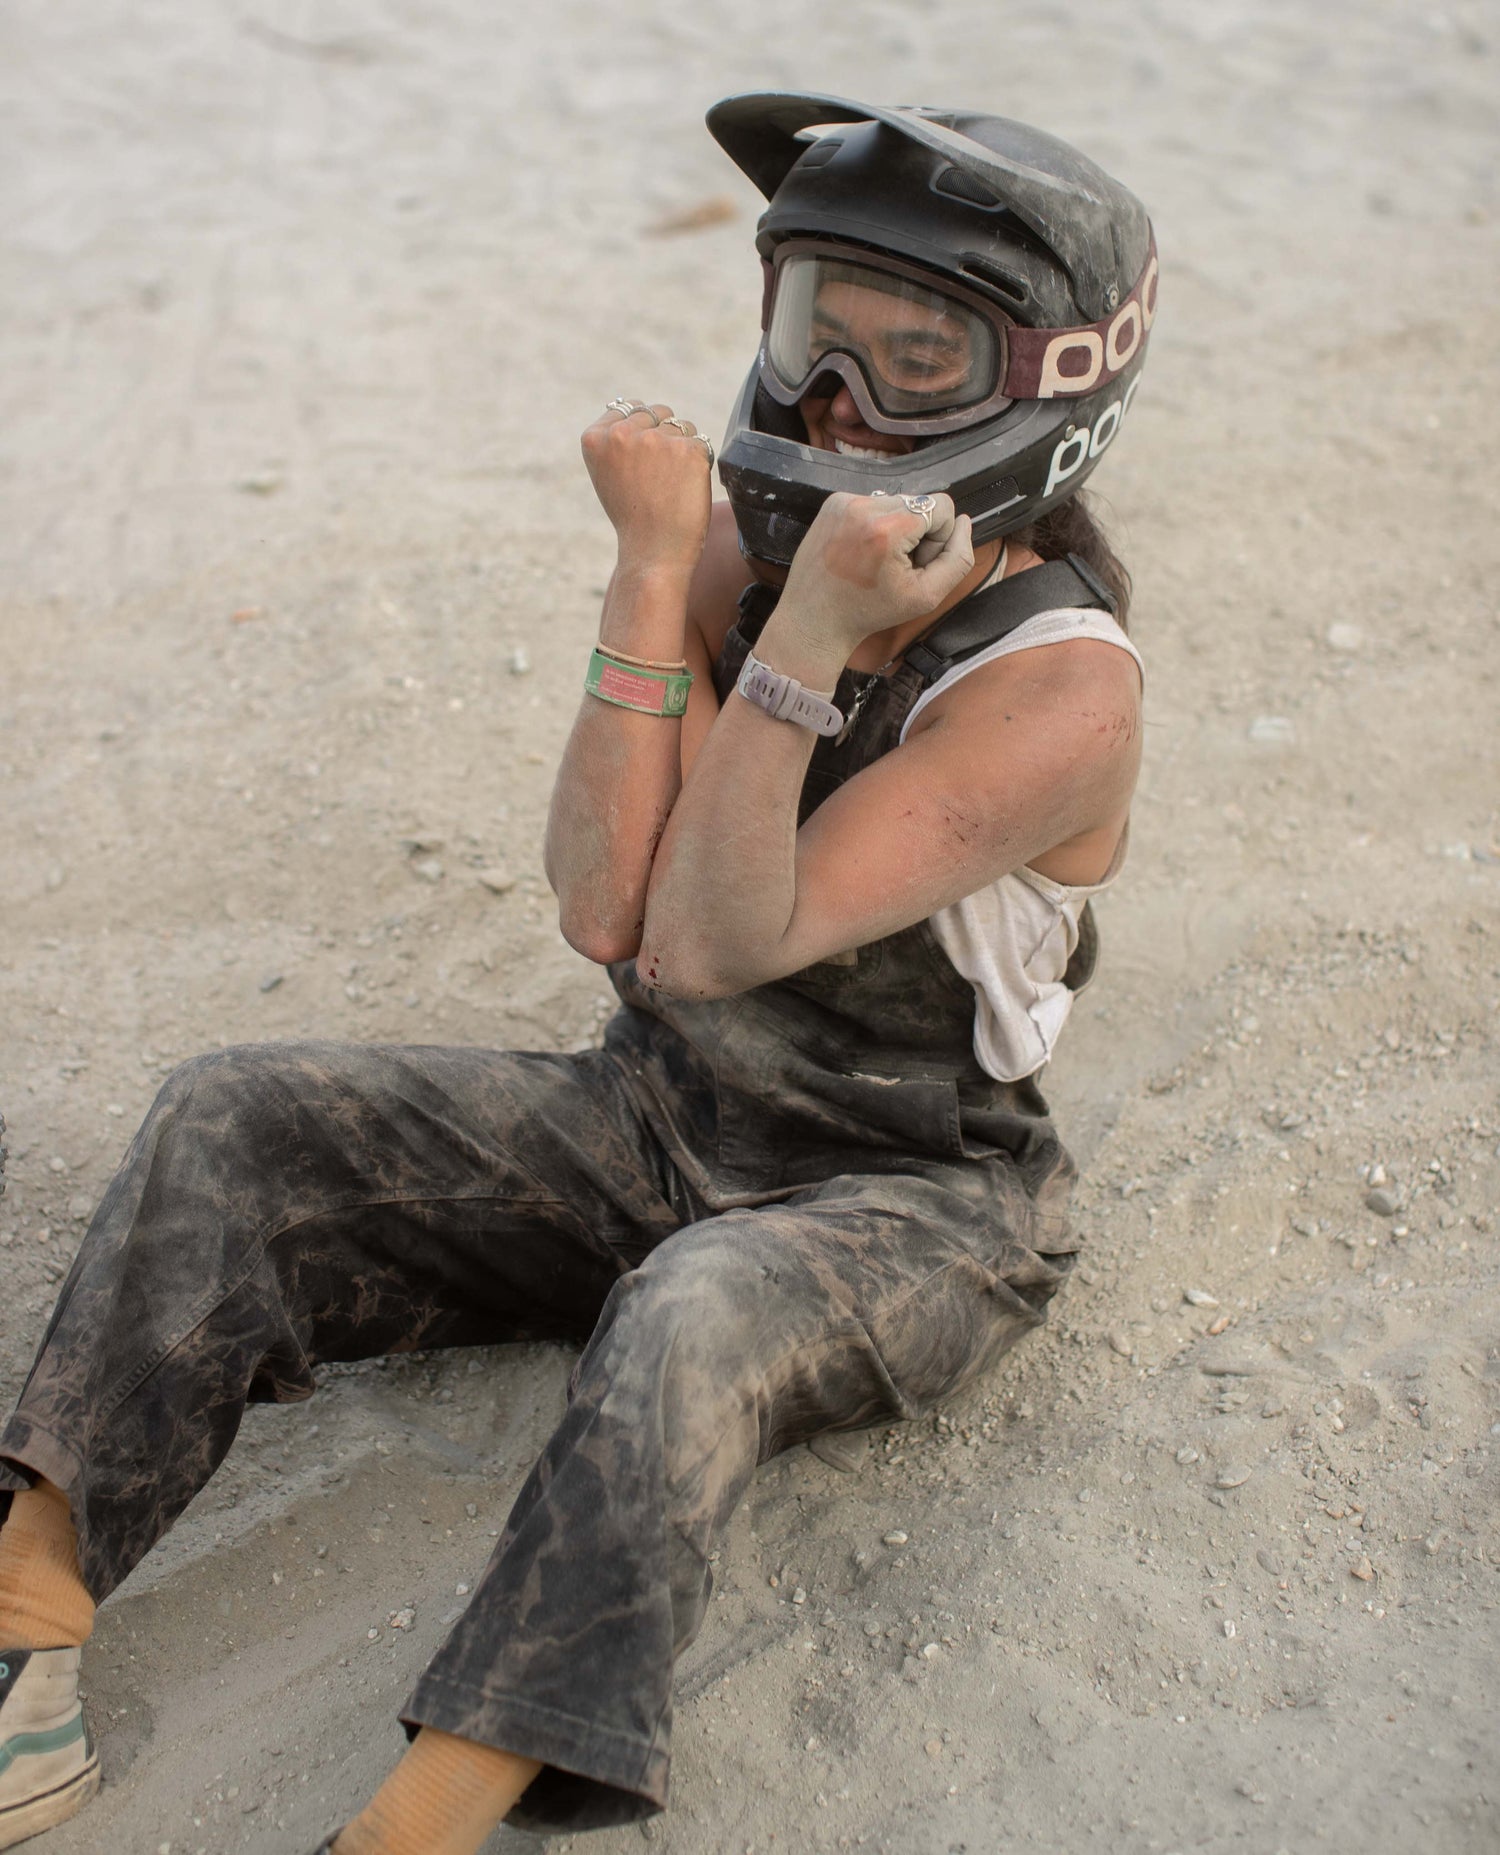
(925, 506)
(623, 406)
(643, 407)
(685, 426)
(708, 446)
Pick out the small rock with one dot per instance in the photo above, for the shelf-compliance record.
(799, 1596)
(1235, 1476)
(1216, 1327)
(402, 1619)
(1364, 1571)
(429, 869)
(271, 981)
(1381, 1202)
(1268, 1561)
(1188, 1455)
(1344, 638)
(1272, 730)
(520, 661)
(460, 1590)
(1120, 1343)
(57, 1164)
(840, 1451)
(263, 483)
(933, 1748)
(893, 1539)
(497, 881)
(1199, 1298)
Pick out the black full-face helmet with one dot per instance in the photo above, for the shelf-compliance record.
(980, 287)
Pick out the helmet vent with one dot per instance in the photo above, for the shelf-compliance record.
(820, 154)
(962, 186)
(1015, 289)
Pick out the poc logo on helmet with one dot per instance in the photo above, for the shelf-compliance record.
(1084, 441)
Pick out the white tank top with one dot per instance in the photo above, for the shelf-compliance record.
(1012, 941)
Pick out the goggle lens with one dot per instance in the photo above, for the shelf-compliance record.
(918, 350)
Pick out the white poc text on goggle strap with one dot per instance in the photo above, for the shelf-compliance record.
(1106, 353)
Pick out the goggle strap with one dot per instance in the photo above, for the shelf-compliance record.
(1063, 363)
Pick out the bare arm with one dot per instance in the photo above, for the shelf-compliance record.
(1033, 752)
(621, 771)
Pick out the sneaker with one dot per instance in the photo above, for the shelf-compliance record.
(48, 1766)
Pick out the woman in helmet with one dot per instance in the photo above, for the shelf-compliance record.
(835, 839)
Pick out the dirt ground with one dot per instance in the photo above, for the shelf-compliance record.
(301, 310)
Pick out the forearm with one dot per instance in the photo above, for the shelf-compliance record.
(724, 888)
(620, 776)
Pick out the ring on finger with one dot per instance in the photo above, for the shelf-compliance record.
(925, 506)
(655, 415)
(707, 444)
(685, 426)
(622, 405)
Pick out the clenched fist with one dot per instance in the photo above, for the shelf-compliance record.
(869, 563)
(651, 473)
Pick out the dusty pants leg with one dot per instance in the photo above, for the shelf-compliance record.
(858, 1301)
(290, 1203)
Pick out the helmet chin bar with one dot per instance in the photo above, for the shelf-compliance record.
(1002, 474)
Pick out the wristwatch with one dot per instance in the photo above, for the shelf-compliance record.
(784, 699)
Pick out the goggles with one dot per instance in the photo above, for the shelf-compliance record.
(921, 355)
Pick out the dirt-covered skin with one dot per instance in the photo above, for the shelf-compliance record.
(303, 312)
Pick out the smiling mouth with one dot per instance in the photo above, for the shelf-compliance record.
(846, 449)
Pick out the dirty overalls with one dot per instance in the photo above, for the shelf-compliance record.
(798, 1210)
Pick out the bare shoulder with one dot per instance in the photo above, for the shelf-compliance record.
(1059, 715)
(721, 576)
(1046, 685)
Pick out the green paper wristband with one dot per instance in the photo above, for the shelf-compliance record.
(648, 692)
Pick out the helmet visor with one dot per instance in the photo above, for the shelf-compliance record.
(917, 357)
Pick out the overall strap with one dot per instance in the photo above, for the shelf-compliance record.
(995, 611)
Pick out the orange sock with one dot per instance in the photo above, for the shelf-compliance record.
(44, 1603)
(445, 1798)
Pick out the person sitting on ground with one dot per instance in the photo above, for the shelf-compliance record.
(857, 749)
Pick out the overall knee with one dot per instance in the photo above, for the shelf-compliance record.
(215, 1150)
(699, 1337)
(224, 1098)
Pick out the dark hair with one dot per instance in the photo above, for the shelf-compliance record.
(1073, 528)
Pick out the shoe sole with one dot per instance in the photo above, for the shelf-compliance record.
(30, 1818)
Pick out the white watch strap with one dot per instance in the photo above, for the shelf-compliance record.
(784, 698)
